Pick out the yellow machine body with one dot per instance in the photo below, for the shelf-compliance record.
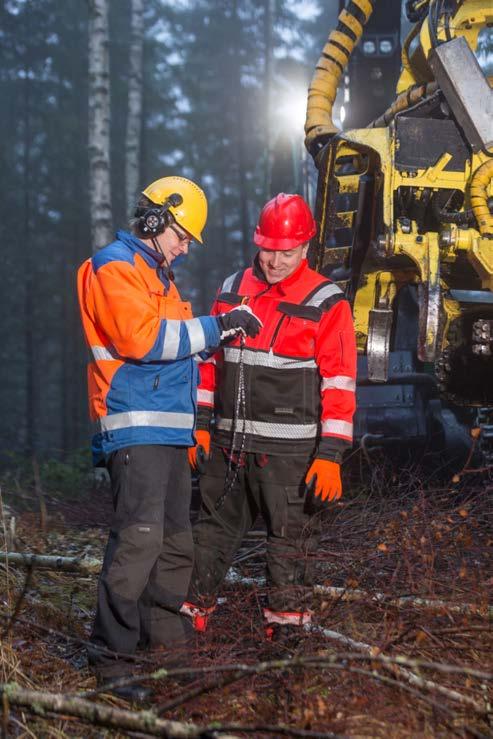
(404, 208)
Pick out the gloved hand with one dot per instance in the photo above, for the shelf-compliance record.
(199, 454)
(241, 320)
(324, 479)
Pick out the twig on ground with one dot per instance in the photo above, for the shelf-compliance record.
(281, 731)
(200, 690)
(5, 552)
(84, 642)
(18, 605)
(38, 489)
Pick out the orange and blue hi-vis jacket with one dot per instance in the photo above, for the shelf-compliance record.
(142, 376)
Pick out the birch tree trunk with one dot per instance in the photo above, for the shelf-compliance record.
(99, 124)
(134, 115)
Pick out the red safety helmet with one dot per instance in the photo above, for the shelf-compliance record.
(285, 222)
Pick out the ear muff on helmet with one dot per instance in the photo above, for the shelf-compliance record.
(191, 213)
(153, 221)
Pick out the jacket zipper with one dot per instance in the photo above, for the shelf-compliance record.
(276, 331)
(277, 328)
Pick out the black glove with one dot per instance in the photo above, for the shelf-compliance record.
(240, 320)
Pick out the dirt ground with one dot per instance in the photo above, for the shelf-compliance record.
(398, 536)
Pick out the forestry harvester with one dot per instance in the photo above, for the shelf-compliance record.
(404, 208)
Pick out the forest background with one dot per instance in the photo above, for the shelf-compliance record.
(214, 77)
(219, 97)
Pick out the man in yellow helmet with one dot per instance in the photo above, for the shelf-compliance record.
(142, 381)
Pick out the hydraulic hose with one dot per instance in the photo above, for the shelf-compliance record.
(413, 95)
(459, 217)
(405, 59)
(335, 55)
(479, 198)
(416, 10)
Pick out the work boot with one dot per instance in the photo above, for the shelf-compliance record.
(284, 631)
(198, 614)
(284, 640)
(134, 693)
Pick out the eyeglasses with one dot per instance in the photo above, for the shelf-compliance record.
(183, 237)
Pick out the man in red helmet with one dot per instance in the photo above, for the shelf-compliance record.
(283, 404)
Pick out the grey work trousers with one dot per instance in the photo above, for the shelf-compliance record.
(275, 487)
(148, 558)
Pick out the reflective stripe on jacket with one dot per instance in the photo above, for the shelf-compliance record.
(141, 376)
(299, 371)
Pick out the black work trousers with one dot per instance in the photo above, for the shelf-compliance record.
(148, 558)
(275, 487)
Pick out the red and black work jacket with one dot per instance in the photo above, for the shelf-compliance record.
(299, 371)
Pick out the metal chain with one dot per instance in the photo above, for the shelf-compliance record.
(239, 416)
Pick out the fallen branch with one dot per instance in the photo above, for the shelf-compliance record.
(337, 661)
(372, 675)
(40, 702)
(345, 594)
(399, 671)
(193, 693)
(332, 662)
(52, 562)
(468, 609)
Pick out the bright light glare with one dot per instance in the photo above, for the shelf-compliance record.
(369, 47)
(293, 112)
(342, 114)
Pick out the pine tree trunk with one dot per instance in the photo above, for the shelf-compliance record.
(241, 143)
(31, 376)
(134, 116)
(99, 124)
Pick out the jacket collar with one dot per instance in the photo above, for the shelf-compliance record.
(152, 257)
(279, 287)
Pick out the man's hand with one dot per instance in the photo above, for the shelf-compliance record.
(324, 479)
(241, 320)
(199, 454)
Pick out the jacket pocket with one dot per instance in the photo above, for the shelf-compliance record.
(308, 312)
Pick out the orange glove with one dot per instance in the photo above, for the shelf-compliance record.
(324, 477)
(199, 454)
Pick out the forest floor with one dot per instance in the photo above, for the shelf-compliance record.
(397, 536)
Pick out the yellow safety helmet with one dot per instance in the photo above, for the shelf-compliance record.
(191, 214)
